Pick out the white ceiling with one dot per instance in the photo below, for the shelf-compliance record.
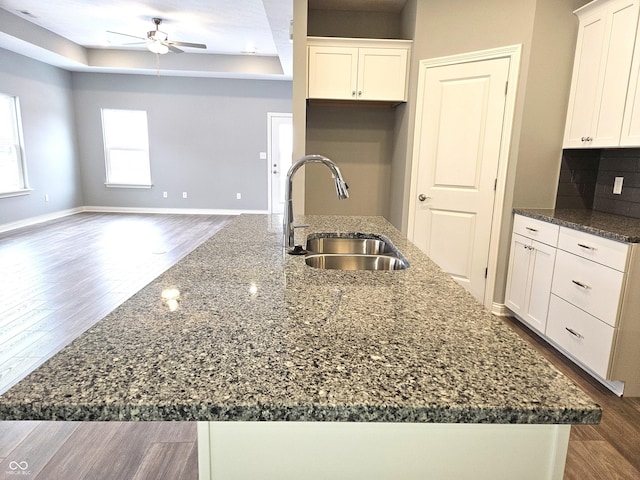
(244, 38)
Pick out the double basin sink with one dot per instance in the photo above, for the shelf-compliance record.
(353, 252)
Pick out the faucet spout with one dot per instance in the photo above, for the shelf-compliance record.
(341, 191)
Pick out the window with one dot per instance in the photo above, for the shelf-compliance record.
(126, 148)
(13, 171)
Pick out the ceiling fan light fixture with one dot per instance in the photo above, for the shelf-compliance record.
(157, 47)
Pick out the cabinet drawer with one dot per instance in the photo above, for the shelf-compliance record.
(584, 337)
(588, 285)
(536, 229)
(602, 250)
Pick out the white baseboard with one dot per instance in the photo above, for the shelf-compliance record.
(180, 211)
(39, 219)
(64, 213)
(500, 310)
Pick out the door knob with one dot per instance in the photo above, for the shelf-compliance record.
(422, 197)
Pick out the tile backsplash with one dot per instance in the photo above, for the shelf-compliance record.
(587, 176)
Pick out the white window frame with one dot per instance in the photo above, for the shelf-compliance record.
(14, 141)
(109, 148)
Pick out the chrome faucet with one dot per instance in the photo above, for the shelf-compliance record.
(341, 190)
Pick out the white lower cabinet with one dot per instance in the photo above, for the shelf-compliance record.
(530, 280)
(588, 285)
(581, 296)
(581, 335)
(531, 270)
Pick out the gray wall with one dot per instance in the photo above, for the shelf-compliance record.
(360, 141)
(205, 136)
(46, 104)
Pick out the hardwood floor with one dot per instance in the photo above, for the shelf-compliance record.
(98, 450)
(59, 278)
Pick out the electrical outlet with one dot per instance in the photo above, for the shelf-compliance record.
(164, 194)
(263, 155)
(238, 196)
(617, 185)
(184, 194)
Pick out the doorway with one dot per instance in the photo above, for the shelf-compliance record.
(279, 157)
(464, 114)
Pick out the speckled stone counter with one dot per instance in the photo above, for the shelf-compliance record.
(255, 334)
(607, 225)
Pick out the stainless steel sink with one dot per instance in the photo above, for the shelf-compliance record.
(355, 251)
(363, 246)
(342, 261)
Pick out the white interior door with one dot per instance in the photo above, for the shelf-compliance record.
(279, 158)
(459, 128)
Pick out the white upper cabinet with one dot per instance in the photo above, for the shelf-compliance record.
(631, 122)
(601, 71)
(357, 69)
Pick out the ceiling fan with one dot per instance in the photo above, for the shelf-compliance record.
(158, 41)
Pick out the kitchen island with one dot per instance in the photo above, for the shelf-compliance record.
(297, 372)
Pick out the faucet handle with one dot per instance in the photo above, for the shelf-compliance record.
(301, 225)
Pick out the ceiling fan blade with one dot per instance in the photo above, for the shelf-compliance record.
(187, 44)
(126, 35)
(174, 49)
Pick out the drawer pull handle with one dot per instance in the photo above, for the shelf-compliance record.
(573, 332)
(531, 229)
(586, 246)
(581, 285)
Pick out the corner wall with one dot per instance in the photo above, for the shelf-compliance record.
(47, 110)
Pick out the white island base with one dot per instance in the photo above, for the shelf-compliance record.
(376, 451)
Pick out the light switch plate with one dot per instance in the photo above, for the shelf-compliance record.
(617, 185)
(263, 155)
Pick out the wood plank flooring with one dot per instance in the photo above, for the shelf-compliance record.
(58, 279)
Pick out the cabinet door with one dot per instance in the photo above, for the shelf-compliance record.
(616, 66)
(382, 74)
(584, 83)
(540, 275)
(333, 72)
(518, 274)
(529, 280)
(604, 51)
(631, 123)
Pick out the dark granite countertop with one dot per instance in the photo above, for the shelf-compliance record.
(238, 330)
(607, 225)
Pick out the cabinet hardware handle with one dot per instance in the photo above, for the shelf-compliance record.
(573, 332)
(586, 139)
(586, 246)
(581, 285)
(353, 93)
(531, 229)
(360, 94)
